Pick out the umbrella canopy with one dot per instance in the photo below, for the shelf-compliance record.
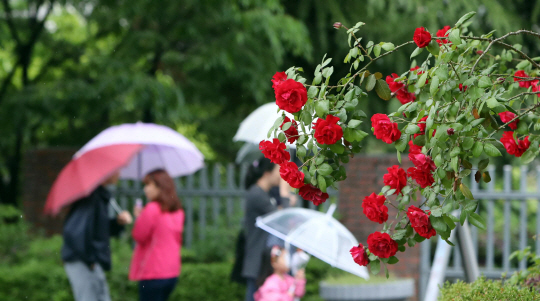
(316, 233)
(165, 149)
(86, 172)
(255, 127)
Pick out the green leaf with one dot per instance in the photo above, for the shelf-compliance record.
(382, 89)
(312, 92)
(393, 260)
(470, 206)
(454, 163)
(467, 143)
(354, 123)
(326, 62)
(528, 156)
(455, 151)
(477, 149)
(522, 65)
(321, 183)
(286, 126)
(476, 122)
(420, 140)
(442, 72)
(399, 234)
(322, 107)
(337, 148)
(416, 52)
(477, 221)
(483, 164)
(422, 80)
(377, 50)
(412, 129)
(484, 82)
(464, 19)
(434, 87)
(433, 47)
(325, 169)
(317, 80)
(327, 72)
(492, 102)
(399, 156)
(354, 135)
(370, 82)
(491, 150)
(466, 192)
(402, 142)
(451, 223)
(388, 46)
(300, 151)
(454, 36)
(375, 266)
(349, 95)
(464, 173)
(438, 223)
(437, 211)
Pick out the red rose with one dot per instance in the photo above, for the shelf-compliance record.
(443, 33)
(313, 194)
(414, 149)
(462, 88)
(523, 83)
(513, 148)
(396, 178)
(327, 131)
(424, 178)
(278, 78)
(422, 125)
(359, 255)
(391, 81)
(374, 208)
(422, 161)
(405, 96)
(420, 222)
(291, 96)
(274, 150)
(292, 132)
(290, 173)
(384, 128)
(535, 88)
(382, 245)
(507, 116)
(421, 37)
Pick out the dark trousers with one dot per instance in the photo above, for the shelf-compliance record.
(156, 289)
(250, 289)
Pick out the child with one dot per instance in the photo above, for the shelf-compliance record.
(275, 284)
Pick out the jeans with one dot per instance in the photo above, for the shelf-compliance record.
(156, 289)
(251, 288)
(87, 284)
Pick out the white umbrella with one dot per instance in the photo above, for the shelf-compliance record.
(255, 127)
(164, 148)
(316, 233)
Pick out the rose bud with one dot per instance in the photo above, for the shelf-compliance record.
(338, 25)
(479, 52)
(501, 80)
(450, 131)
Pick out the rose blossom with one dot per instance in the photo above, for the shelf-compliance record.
(513, 148)
(327, 131)
(274, 150)
(313, 194)
(382, 245)
(462, 88)
(422, 125)
(443, 33)
(523, 83)
(291, 96)
(507, 116)
(374, 208)
(414, 149)
(292, 132)
(399, 89)
(396, 178)
(420, 222)
(359, 255)
(424, 178)
(290, 173)
(392, 84)
(278, 78)
(421, 37)
(384, 128)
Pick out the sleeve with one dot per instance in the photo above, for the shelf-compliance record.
(79, 230)
(144, 224)
(261, 203)
(300, 289)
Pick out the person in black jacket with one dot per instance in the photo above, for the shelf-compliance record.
(86, 253)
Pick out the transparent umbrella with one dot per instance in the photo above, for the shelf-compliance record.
(316, 233)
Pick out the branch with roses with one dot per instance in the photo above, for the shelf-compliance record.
(453, 101)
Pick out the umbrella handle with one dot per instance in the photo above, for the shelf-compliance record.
(331, 209)
(115, 205)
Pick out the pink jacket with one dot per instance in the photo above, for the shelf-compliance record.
(159, 238)
(277, 289)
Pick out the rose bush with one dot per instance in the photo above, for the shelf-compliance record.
(467, 99)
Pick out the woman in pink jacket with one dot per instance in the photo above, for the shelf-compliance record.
(158, 234)
(274, 282)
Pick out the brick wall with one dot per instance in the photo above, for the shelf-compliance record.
(365, 176)
(41, 167)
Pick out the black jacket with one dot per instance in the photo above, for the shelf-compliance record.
(86, 230)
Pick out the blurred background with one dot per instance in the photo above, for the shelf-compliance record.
(70, 69)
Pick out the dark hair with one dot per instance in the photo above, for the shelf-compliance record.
(257, 170)
(167, 199)
(266, 268)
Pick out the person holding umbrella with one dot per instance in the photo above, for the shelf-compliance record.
(85, 252)
(158, 233)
